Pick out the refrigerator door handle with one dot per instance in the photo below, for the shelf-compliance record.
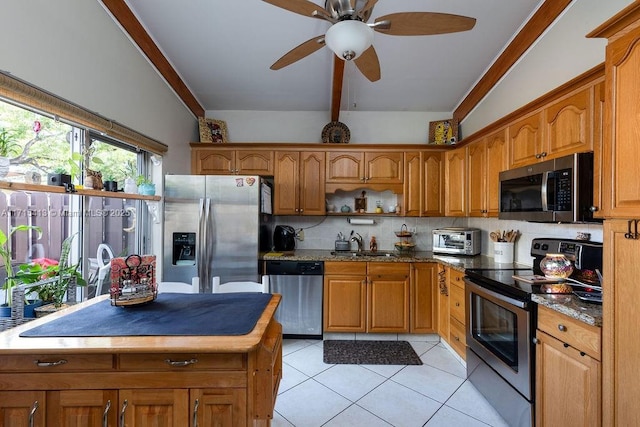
(207, 249)
(200, 259)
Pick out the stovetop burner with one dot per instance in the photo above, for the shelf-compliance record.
(502, 281)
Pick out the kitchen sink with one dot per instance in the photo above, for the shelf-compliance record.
(356, 254)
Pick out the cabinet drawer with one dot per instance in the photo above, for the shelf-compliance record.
(181, 361)
(389, 268)
(458, 337)
(456, 278)
(345, 267)
(56, 362)
(457, 305)
(579, 335)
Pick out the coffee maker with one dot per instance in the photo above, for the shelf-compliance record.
(284, 238)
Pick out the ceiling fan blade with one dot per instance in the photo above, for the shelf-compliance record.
(301, 7)
(422, 23)
(368, 64)
(299, 52)
(366, 8)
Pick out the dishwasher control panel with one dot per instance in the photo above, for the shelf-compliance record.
(297, 268)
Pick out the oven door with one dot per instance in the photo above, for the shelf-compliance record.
(499, 332)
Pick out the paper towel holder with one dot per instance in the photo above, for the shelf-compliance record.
(361, 221)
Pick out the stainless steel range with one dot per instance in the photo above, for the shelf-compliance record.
(501, 322)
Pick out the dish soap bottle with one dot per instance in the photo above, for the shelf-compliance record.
(373, 245)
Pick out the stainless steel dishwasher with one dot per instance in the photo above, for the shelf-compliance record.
(300, 283)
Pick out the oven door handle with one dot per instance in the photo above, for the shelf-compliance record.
(484, 291)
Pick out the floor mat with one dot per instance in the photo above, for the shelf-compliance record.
(369, 353)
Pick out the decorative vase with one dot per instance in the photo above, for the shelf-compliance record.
(147, 189)
(556, 266)
(130, 186)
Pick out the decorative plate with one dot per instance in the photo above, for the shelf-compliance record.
(336, 133)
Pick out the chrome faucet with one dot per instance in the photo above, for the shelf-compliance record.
(358, 239)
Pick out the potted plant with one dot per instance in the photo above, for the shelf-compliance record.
(5, 255)
(8, 147)
(145, 186)
(110, 183)
(51, 278)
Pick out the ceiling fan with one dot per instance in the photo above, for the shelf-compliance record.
(351, 38)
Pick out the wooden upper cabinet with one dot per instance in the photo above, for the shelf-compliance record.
(568, 125)
(299, 183)
(345, 166)
(423, 184)
(525, 141)
(455, 172)
(598, 147)
(621, 154)
(372, 167)
(477, 175)
(220, 161)
(497, 157)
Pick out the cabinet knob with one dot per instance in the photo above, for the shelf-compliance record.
(538, 156)
(535, 340)
(456, 338)
(544, 154)
(593, 209)
(457, 304)
(562, 328)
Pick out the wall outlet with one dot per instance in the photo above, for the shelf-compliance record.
(300, 235)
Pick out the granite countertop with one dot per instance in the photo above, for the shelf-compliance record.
(569, 305)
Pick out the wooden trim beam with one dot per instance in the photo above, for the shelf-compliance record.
(336, 89)
(539, 22)
(136, 31)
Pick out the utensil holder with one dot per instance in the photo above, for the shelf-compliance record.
(343, 245)
(503, 252)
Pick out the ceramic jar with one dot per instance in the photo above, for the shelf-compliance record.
(556, 266)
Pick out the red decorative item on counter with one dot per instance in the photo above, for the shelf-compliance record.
(133, 280)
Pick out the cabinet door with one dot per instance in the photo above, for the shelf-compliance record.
(311, 183)
(412, 183)
(598, 141)
(621, 347)
(254, 162)
(384, 168)
(345, 166)
(345, 303)
(424, 281)
(621, 147)
(477, 175)
(525, 141)
(286, 194)
(443, 302)
(432, 184)
(88, 408)
(224, 407)
(388, 297)
(207, 161)
(157, 407)
(567, 385)
(455, 182)
(497, 155)
(22, 408)
(568, 125)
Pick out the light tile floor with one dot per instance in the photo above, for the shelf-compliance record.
(435, 394)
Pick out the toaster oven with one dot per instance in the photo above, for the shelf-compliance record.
(456, 241)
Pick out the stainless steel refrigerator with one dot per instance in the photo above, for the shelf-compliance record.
(215, 225)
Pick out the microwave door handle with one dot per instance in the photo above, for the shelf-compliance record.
(544, 193)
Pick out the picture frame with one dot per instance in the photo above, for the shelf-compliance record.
(212, 130)
(443, 132)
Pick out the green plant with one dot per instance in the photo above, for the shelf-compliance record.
(141, 179)
(5, 254)
(8, 146)
(109, 177)
(52, 291)
(61, 170)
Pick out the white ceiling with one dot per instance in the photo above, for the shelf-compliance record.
(223, 51)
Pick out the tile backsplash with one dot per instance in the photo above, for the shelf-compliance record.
(321, 232)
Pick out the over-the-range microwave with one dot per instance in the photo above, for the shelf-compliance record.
(557, 190)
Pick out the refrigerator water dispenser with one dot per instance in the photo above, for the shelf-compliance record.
(184, 249)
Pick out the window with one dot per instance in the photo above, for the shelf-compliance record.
(37, 145)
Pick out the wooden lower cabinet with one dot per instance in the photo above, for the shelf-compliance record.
(366, 297)
(154, 407)
(424, 309)
(22, 408)
(443, 302)
(457, 334)
(82, 408)
(568, 372)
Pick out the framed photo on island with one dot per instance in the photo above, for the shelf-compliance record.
(443, 132)
(212, 130)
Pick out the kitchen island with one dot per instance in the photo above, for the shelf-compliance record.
(178, 380)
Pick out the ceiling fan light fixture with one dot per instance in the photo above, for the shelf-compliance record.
(349, 39)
